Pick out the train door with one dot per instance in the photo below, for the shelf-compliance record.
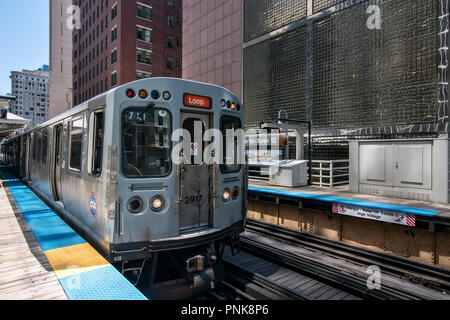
(57, 162)
(195, 177)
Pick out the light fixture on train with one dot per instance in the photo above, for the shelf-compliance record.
(238, 107)
(229, 104)
(233, 106)
(223, 103)
(130, 93)
(157, 203)
(226, 195)
(155, 95)
(235, 193)
(143, 94)
(135, 205)
(167, 95)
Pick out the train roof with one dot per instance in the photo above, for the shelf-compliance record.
(101, 99)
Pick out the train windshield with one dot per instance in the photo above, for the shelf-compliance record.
(146, 144)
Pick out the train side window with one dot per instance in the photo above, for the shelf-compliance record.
(76, 142)
(34, 145)
(38, 146)
(44, 146)
(96, 137)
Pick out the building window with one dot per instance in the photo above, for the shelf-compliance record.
(113, 79)
(170, 63)
(144, 56)
(169, 42)
(170, 3)
(144, 12)
(113, 34)
(144, 34)
(114, 56)
(114, 12)
(170, 21)
(142, 75)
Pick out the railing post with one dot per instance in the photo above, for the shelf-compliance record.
(331, 173)
(321, 173)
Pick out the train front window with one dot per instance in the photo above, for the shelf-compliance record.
(146, 142)
(231, 160)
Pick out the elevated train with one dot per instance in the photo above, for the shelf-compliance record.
(106, 167)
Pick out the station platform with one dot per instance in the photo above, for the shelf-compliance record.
(340, 200)
(42, 258)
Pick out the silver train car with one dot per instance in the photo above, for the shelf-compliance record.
(106, 167)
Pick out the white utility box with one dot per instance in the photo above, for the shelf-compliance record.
(409, 169)
(290, 173)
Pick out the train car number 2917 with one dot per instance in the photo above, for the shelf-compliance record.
(193, 200)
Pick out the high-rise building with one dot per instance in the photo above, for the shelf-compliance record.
(60, 57)
(31, 89)
(212, 42)
(122, 41)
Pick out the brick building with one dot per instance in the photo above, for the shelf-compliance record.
(124, 40)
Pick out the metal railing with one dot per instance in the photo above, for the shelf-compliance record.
(330, 173)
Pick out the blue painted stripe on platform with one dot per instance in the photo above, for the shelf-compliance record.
(103, 283)
(350, 202)
(97, 285)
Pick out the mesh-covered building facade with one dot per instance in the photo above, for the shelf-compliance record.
(333, 63)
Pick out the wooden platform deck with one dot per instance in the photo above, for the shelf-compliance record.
(344, 192)
(25, 273)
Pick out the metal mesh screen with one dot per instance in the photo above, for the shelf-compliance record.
(324, 4)
(264, 16)
(365, 77)
(275, 78)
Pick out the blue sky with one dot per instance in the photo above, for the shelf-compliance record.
(24, 37)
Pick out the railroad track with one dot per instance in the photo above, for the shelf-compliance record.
(404, 279)
(267, 280)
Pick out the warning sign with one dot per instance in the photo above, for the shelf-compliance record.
(373, 214)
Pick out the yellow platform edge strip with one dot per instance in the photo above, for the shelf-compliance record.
(69, 261)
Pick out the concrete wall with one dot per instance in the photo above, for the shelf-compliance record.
(413, 243)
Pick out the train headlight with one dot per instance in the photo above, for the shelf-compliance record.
(226, 195)
(235, 193)
(223, 103)
(157, 203)
(167, 95)
(135, 205)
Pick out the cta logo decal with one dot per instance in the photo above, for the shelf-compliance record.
(93, 204)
